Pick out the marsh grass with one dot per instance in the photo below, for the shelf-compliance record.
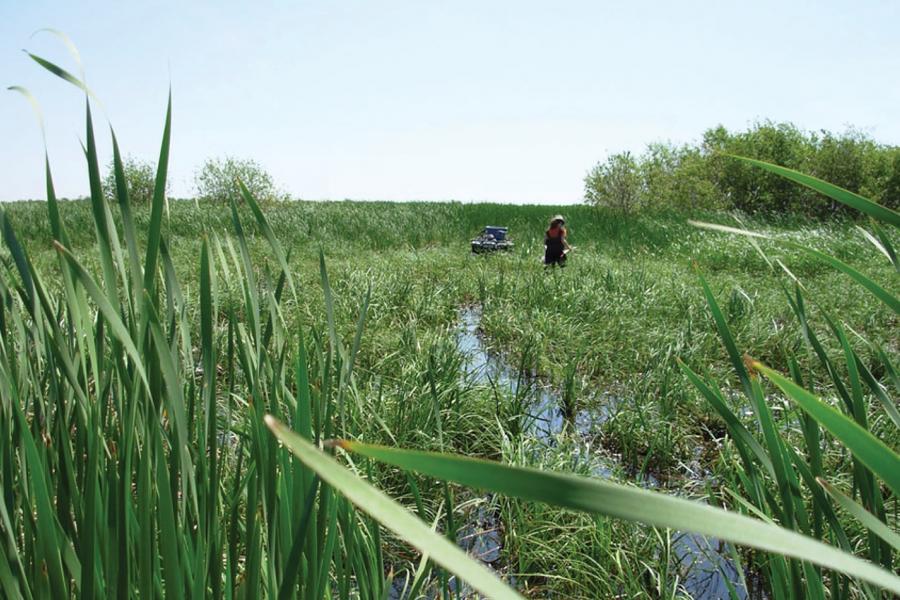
(143, 348)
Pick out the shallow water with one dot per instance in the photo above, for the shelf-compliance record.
(705, 564)
(545, 418)
(480, 535)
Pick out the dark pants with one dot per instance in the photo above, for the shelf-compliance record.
(554, 258)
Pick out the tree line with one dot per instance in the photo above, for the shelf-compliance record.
(701, 176)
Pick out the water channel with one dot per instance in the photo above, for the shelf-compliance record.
(705, 565)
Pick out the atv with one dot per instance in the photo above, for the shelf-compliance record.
(492, 239)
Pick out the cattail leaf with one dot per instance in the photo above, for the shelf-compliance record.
(879, 292)
(632, 504)
(109, 313)
(868, 449)
(870, 521)
(392, 515)
(156, 207)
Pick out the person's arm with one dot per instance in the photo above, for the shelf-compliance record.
(566, 241)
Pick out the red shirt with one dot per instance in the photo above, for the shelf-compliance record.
(556, 231)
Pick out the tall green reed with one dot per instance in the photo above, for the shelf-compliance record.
(784, 478)
(771, 475)
(137, 461)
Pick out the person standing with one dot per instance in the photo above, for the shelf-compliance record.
(555, 245)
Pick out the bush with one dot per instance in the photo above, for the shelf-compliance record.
(747, 188)
(677, 177)
(663, 177)
(702, 176)
(140, 179)
(217, 180)
(891, 193)
(615, 183)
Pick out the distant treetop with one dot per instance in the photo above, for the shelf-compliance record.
(216, 180)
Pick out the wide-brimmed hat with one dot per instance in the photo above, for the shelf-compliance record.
(558, 218)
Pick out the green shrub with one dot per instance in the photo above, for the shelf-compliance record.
(615, 183)
(217, 180)
(677, 177)
(703, 177)
(140, 177)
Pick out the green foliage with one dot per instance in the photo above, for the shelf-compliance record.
(891, 170)
(698, 177)
(393, 516)
(140, 178)
(747, 188)
(676, 177)
(217, 181)
(135, 380)
(779, 479)
(615, 184)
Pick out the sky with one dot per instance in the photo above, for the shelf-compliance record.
(489, 100)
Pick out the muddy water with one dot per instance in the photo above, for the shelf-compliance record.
(704, 564)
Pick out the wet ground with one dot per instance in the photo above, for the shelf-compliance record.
(705, 565)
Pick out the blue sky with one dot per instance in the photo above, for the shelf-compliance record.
(507, 101)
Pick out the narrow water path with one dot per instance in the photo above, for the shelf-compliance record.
(704, 564)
